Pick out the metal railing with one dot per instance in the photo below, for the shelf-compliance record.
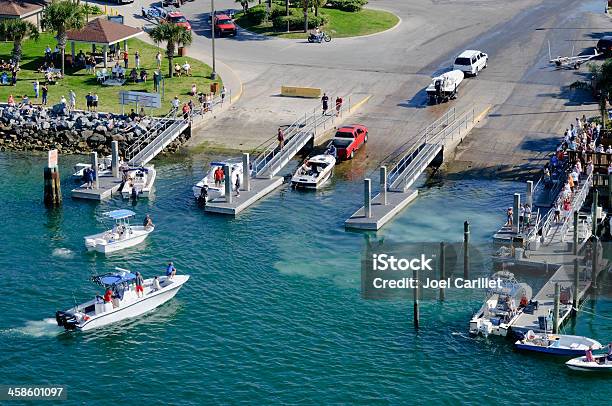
(161, 124)
(309, 124)
(577, 203)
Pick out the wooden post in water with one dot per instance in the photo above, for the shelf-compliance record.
(594, 260)
(529, 194)
(383, 185)
(516, 206)
(555, 328)
(246, 172)
(576, 286)
(594, 211)
(575, 248)
(416, 316)
(115, 158)
(94, 166)
(53, 191)
(442, 269)
(228, 183)
(466, 249)
(367, 197)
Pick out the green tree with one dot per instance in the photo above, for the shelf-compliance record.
(17, 30)
(62, 16)
(172, 35)
(305, 4)
(601, 85)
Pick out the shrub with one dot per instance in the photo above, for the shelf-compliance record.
(296, 22)
(347, 5)
(257, 14)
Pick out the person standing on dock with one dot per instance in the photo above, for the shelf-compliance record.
(218, 176)
(325, 102)
(281, 138)
(509, 217)
(237, 185)
(557, 218)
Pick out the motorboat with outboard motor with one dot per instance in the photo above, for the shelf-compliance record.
(121, 301)
(212, 185)
(122, 235)
(444, 87)
(138, 182)
(556, 344)
(314, 172)
(599, 363)
(104, 165)
(500, 308)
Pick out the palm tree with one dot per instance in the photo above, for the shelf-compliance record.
(305, 4)
(173, 35)
(17, 30)
(62, 16)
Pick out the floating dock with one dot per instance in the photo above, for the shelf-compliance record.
(108, 185)
(381, 213)
(259, 188)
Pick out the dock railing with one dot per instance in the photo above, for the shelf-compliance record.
(160, 125)
(577, 203)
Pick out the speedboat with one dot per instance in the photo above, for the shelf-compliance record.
(125, 302)
(314, 172)
(444, 87)
(206, 189)
(600, 363)
(556, 344)
(499, 310)
(139, 182)
(103, 166)
(122, 235)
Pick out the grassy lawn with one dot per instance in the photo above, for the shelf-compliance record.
(341, 23)
(82, 82)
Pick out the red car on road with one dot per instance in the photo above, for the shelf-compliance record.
(179, 19)
(224, 25)
(348, 139)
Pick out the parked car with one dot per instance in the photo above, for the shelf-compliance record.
(349, 139)
(171, 3)
(224, 25)
(471, 62)
(604, 45)
(176, 17)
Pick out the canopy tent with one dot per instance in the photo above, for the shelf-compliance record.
(114, 278)
(103, 32)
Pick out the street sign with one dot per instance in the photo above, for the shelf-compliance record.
(141, 98)
(52, 158)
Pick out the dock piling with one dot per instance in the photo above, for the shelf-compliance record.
(367, 197)
(516, 206)
(442, 269)
(383, 185)
(466, 249)
(594, 260)
(94, 166)
(415, 291)
(53, 191)
(115, 158)
(228, 183)
(555, 328)
(594, 211)
(575, 247)
(529, 195)
(576, 287)
(246, 172)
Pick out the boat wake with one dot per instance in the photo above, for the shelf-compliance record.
(39, 328)
(63, 253)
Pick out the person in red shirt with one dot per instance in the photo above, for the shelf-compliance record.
(186, 111)
(125, 59)
(108, 295)
(218, 176)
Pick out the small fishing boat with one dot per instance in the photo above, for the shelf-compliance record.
(122, 235)
(139, 182)
(500, 308)
(207, 189)
(314, 172)
(124, 302)
(79, 169)
(444, 87)
(556, 344)
(600, 363)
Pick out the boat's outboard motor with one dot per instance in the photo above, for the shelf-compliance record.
(134, 194)
(203, 198)
(66, 320)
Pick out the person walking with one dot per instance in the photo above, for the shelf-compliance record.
(36, 88)
(158, 59)
(175, 105)
(281, 138)
(338, 105)
(237, 185)
(137, 59)
(45, 94)
(325, 102)
(186, 111)
(223, 92)
(72, 97)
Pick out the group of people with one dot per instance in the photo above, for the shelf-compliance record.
(583, 137)
(205, 101)
(325, 104)
(11, 67)
(219, 176)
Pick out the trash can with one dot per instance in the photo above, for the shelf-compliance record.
(182, 51)
(214, 87)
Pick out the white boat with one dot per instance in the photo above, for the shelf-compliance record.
(600, 363)
(556, 344)
(139, 182)
(125, 302)
(500, 309)
(314, 172)
(122, 235)
(103, 166)
(206, 189)
(444, 87)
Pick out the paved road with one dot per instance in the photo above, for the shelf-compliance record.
(397, 65)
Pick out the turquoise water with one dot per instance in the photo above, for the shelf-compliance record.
(273, 312)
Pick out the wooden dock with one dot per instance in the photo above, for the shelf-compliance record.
(381, 213)
(259, 188)
(107, 187)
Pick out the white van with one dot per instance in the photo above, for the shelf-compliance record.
(471, 62)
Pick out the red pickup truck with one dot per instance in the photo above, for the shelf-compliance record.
(224, 25)
(348, 139)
